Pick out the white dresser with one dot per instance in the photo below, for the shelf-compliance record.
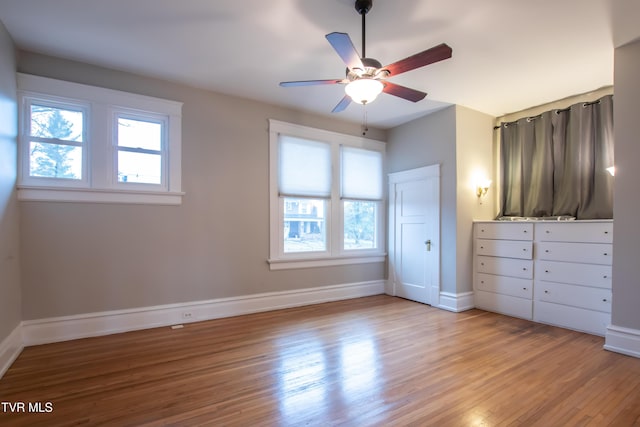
(555, 272)
(504, 267)
(573, 275)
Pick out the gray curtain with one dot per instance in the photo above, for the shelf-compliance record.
(555, 164)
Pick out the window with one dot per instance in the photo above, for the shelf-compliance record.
(326, 197)
(304, 184)
(56, 141)
(361, 191)
(88, 144)
(140, 150)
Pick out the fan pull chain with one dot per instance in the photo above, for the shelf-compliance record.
(365, 125)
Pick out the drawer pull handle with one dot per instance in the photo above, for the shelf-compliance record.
(606, 232)
(481, 247)
(547, 231)
(605, 254)
(604, 300)
(546, 271)
(524, 268)
(524, 289)
(482, 230)
(605, 276)
(546, 251)
(525, 249)
(525, 231)
(546, 292)
(482, 281)
(482, 263)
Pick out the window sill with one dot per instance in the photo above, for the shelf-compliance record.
(286, 264)
(85, 195)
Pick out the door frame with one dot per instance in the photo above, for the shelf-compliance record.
(417, 174)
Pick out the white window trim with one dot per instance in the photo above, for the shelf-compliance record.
(336, 255)
(101, 184)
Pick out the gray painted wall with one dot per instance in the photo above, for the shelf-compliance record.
(427, 141)
(461, 141)
(81, 257)
(474, 160)
(10, 313)
(626, 230)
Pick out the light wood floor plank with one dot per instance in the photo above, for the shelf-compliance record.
(369, 361)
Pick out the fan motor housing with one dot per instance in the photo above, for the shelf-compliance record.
(371, 63)
(372, 69)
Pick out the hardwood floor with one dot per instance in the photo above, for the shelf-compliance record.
(370, 361)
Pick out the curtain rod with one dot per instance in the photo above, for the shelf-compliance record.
(531, 118)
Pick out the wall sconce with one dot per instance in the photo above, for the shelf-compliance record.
(482, 188)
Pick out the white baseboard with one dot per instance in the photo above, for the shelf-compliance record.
(10, 349)
(623, 340)
(456, 302)
(66, 328)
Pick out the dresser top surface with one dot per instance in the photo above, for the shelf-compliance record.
(543, 221)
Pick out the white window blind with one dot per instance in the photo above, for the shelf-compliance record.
(361, 174)
(304, 167)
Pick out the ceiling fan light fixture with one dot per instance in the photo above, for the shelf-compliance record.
(364, 90)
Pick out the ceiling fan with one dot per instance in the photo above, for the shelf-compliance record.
(366, 77)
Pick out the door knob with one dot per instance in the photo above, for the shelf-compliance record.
(428, 243)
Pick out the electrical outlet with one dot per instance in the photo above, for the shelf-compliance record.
(187, 315)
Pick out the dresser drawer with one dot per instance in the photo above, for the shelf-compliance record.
(589, 253)
(505, 248)
(504, 230)
(505, 304)
(594, 232)
(580, 319)
(577, 274)
(577, 296)
(505, 266)
(513, 286)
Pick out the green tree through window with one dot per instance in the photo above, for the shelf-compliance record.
(359, 225)
(51, 154)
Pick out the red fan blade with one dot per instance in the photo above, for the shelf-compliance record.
(343, 45)
(311, 82)
(344, 103)
(421, 59)
(403, 92)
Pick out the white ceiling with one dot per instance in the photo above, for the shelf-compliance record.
(508, 55)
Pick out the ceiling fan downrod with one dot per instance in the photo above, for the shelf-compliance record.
(362, 7)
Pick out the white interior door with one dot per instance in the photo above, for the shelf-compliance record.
(414, 228)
